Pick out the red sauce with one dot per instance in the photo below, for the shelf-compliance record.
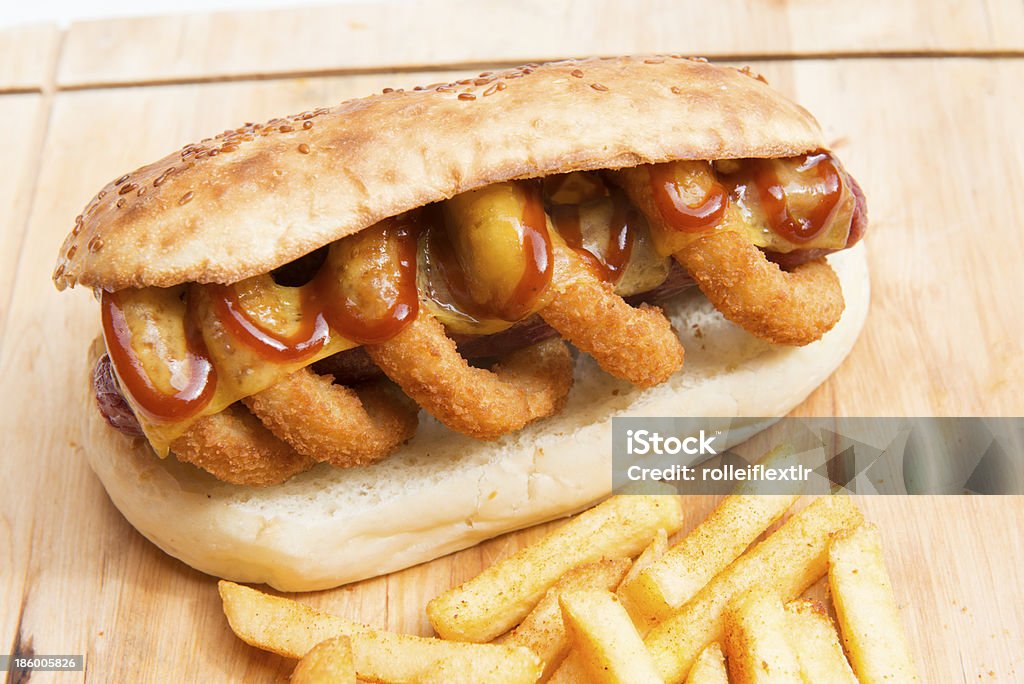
(535, 246)
(156, 404)
(538, 262)
(346, 316)
(610, 264)
(827, 187)
(310, 337)
(673, 208)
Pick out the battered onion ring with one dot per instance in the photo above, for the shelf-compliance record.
(527, 385)
(233, 446)
(785, 307)
(333, 423)
(636, 344)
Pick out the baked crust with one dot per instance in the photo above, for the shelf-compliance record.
(252, 199)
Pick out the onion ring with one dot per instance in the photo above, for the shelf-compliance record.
(235, 447)
(334, 423)
(527, 385)
(636, 344)
(784, 307)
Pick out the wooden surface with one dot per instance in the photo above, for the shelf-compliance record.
(934, 139)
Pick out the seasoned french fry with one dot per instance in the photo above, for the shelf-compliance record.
(709, 668)
(755, 641)
(816, 643)
(542, 631)
(655, 550)
(291, 629)
(866, 608)
(609, 646)
(571, 671)
(787, 562)
(330, 662)
(501, 596)
(652, 553)
(685, 568)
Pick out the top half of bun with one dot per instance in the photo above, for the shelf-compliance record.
(255, 198)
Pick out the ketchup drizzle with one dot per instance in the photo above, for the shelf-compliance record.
(673, 208)
(772, 195)
(537, 264)
(343, 313)
(152, 401)
(610, 264)
(312, 334)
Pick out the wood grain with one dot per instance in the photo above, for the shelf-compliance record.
(376, 37)
(940, 170)
(25, 114)
(27, 55)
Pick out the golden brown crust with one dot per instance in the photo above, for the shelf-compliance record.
(234, 447)
(528, 385)
(784, 307)
(258, 197)
(334, 423)
(636, 344)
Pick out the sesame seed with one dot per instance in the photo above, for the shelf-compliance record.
(493, 89)
(467, 96)
(676, 90)
(125, 189)
(96, 244)
(186, 198)
(304, 148)
(654, 60)
(306, 125)
(285, 129)
(162, 177)
(59, 272)
(101, 194)
(71, 251)
(122, 179)
(599, 87)
(578, 73)
(121, 202)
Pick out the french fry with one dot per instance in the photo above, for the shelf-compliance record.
(330, 662)
(571, 671)
(734, 524)
(816, 643)
(755, 641)
(869, 619)
(655, 550)
(787, 562)
(502, 595)
(608, 644)
(542, 631)
(291, 629)
(709, 668)
(689, 565)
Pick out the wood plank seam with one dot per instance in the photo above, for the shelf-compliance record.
(48, 91)
(471, 66)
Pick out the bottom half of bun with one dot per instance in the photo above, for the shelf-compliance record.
(442, 491)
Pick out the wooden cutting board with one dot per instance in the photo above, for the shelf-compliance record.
(922, 106)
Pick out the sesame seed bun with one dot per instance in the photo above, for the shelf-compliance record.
(250, 200)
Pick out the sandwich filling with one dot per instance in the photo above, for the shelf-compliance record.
(497, 267)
